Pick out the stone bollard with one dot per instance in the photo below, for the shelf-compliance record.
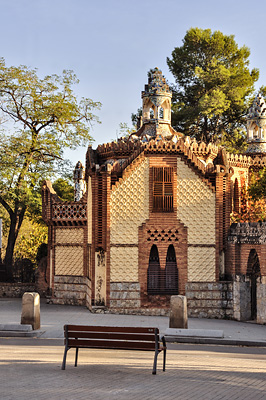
(31, 310)
(178, 312)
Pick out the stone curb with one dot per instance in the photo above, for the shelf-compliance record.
(222, 342)
(16, 327)
(204, 333)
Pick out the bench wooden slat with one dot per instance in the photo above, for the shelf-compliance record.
(113, 344)
(112, 335)
(87, 328)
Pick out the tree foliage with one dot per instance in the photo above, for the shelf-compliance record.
(213, 85)
(40, 118)
(63, 189)
(257, 188)
(31, 236)
(251, 209)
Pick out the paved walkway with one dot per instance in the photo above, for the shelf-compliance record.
(30, 368)
(53, 318)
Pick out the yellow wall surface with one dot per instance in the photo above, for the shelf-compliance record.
(129, 208)
(129, 205)
(68, 257)
(69, 235)
(89, 211)
(201, 264)
(196, 209)
(124, 264)
(69, 260)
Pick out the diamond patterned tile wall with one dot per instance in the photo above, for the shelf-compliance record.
(130, 205)
(69, 235)
(195, 206)
(68, 260)
(201, 264)
(124, 264)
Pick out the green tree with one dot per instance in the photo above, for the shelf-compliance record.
(42, 117)
(257, 187)
(63, 189)
(31, 236)
(213, 85)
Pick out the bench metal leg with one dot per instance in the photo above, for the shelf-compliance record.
(164, 358)
(64, 358)
(155, 363)
(164, 352)
(76, 358)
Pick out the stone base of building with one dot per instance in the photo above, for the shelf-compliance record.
(261, 302)
(72, 290)
(243, 299)
(15, 290)
(210, 300)
(125, 298)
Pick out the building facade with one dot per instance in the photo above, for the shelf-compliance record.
(151, 219)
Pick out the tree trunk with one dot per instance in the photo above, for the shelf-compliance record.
(15, 224)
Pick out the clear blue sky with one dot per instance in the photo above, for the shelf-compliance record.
(111, 44)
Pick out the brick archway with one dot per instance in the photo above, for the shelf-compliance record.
(162, 235)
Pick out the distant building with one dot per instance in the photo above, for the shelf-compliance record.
(152, 219)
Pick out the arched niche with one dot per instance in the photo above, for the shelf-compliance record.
(152, 115)
(253, 272)
(236, 197)
(171, 271)
(161, 113)
(154, 271)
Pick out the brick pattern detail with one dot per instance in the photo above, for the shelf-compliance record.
(124, 264)
(69, 235)
(201, 264)
(237, 258)
(161, 235)
(195, 205)
(89, 210)
(66, 211)
(69, 260)
(129, 205)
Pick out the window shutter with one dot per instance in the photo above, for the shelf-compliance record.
(162, 189)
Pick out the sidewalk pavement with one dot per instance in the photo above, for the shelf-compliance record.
(30, 368)
(54, 317)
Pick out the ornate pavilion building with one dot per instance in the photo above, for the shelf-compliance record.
(151, 219)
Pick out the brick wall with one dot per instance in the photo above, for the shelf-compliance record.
(243, 238)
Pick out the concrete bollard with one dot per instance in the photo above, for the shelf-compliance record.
(31, 310)
(178, 312)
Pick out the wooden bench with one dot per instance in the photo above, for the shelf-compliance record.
(109, 337)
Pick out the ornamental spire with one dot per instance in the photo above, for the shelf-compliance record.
(79, 181)
(256, 126)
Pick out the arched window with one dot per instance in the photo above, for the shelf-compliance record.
(171, 272)
(253, 267)
(236, 196)
(151, 113)
(154, 271)
(253, 271)
(161, 113)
